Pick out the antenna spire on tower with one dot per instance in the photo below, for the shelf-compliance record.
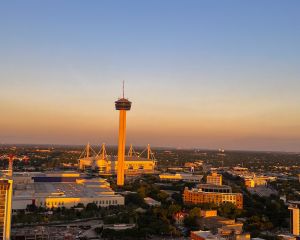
(123, 88)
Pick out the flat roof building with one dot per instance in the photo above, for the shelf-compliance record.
(63, 190)
(197, 196)
(185, 177)
(214, 178)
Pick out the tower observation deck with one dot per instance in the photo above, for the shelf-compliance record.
(123, 104)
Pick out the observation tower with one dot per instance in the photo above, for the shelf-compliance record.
(122, 105)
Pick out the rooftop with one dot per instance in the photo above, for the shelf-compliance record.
(82, 188)
(206, 235)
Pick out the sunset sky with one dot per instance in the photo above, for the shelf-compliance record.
(205, 74)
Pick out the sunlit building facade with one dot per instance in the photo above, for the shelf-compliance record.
(197, 196)
(295, 219)
(52, 190)
(214, 178)
(5, 207)
(185, 177)
(251, 182)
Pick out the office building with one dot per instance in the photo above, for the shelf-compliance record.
(5, 207)
(295, 218)
(214, 178)
(197, 196)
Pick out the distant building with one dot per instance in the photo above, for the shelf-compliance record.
(209, 213)
(197, 196)
(251, 182)
(263, 191)
(243, 236)
(240, 169)
(222, 227)
(214, 178)
(175, 169)
(185, 177)
(190, 165)
(5, 207)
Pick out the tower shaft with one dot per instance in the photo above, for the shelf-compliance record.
(121, 148)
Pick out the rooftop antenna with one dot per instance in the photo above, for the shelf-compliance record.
(123, 88)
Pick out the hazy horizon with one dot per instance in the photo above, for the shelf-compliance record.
(200, 74)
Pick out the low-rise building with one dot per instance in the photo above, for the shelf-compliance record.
(263, 191)
(209, 213)
(251, 182)
(52, 190)
(223, 227)
(185, 177)
(197, 196)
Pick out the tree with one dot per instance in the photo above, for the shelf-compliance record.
(142, 192)
(174, 208)
(228, 210)
(195, 212)
(32, 208)
(191, 222)
(134, 199)
(92, 207)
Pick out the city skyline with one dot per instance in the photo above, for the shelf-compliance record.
(200, 75)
